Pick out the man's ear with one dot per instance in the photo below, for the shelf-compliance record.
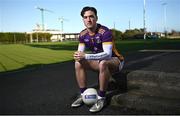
(96, 17)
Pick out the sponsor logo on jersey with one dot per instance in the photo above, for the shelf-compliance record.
(97, 37)
(101, 31)
(86, 40)
(98, 40)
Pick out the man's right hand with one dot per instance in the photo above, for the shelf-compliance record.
(78, 55)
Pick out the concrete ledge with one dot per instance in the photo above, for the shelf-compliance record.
(153, 91)
(140, 101)
(155, 83)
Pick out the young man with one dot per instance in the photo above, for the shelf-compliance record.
(104, 57)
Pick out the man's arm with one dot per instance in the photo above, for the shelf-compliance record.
(81, 47)
(106, 54)
(79, 54)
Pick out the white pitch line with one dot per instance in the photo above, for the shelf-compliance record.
(162, 50)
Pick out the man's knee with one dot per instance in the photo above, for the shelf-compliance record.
(103, 65)
(78, 65)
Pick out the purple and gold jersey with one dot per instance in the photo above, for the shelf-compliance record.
(94, 42)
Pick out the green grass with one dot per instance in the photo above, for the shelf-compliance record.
(20, 56)
(129, 46)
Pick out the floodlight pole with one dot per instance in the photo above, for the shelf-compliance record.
(114, 25)
(62, 26)
(144, 19)
(129, 24)
(42, 15)
(62, 19)
(164, 5)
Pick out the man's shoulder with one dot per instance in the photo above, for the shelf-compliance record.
(102, 29)
(83, 32)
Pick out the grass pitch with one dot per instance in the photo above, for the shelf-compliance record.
(18, 56)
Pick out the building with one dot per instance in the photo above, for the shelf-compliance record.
(56, 36)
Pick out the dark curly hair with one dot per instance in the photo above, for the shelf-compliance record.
(88, 8)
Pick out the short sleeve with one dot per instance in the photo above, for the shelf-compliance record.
(81, 40)
(107, 36)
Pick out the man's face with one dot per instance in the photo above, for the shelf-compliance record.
(89, 19)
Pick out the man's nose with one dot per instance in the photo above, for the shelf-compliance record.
(88, 18)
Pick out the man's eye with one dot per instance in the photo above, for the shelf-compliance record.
(91, 16)
(85, 17)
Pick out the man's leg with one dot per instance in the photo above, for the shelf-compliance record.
(80, 70)
(106, 67)
(104, 75)
(81, 80)
(80, 74)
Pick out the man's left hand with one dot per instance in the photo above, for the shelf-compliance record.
(78, 55)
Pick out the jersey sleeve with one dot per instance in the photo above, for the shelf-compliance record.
(106, 54)
(107, 36)
(81, 45)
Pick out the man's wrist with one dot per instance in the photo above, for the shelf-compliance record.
(85, 56)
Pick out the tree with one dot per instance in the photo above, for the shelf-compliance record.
(117, 34)
(133, 34)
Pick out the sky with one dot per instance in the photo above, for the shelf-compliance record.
(22, 16)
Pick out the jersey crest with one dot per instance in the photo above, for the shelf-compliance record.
(101, 31)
